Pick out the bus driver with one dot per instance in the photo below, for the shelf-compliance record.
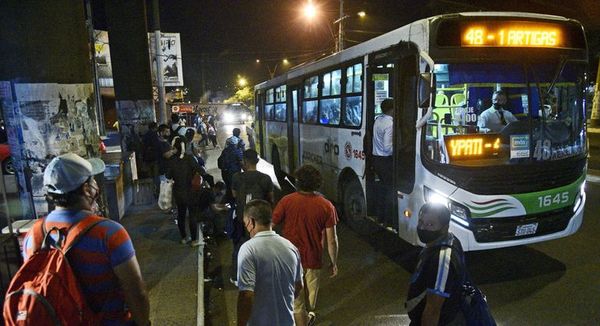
(496, 117)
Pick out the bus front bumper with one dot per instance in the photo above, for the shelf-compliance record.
(470, 243)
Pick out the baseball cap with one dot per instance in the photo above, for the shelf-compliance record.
(67, 172)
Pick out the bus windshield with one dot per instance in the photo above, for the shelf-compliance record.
(494, 114)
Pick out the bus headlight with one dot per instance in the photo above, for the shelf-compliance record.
(434, 197)
(459, 213)
(244, 116)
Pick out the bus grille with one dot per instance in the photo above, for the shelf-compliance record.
(503, 229)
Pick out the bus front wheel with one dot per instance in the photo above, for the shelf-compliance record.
(355, 208)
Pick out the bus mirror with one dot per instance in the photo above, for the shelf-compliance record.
(425, 89)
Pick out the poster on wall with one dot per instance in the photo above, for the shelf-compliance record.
(172, 69)
(54, 119)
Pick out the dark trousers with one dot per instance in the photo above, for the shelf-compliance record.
(182, 210)
(213, 139)
(227, 178)
(237, 244)
(384, 167)
(203, 140)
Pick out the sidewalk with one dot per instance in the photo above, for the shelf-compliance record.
(169, 268)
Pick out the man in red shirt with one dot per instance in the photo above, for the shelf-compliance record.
(305, 214)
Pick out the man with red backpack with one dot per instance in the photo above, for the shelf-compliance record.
(98, 250)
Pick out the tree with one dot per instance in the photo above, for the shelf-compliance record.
(243, 95)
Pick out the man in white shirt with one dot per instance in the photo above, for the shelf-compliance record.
(383, 162)
(269, 272)
(496, 117)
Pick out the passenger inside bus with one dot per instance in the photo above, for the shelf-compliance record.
(497, 116)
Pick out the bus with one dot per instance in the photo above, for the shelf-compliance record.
(521, 184)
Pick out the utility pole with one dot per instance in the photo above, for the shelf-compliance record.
(340, 46)
(162, 108)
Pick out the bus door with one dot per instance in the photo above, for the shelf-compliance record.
(395, 78)
(380, 78)
(259, 132)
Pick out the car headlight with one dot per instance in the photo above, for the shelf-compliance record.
(459, 213)
(228, 117)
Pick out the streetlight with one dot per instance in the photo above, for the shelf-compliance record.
(311, 11)
(242, 81)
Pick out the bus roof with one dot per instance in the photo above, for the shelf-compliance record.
(415, 32)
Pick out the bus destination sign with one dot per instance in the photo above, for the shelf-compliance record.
(467, 147)
(512, 34)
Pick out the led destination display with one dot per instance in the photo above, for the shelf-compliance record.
(465, 147)
(510, 33)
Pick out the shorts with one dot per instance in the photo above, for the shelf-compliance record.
(309, 292)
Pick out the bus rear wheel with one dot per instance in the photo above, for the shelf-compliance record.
(355, 208)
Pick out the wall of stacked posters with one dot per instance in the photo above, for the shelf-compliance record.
(45, 120)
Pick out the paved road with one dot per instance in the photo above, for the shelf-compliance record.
(551, 283)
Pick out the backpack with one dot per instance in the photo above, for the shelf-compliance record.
(45, 290)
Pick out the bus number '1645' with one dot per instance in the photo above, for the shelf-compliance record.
(550, 200)
(358, 154)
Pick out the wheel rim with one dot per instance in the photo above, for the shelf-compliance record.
(9, 167)
(355, 207)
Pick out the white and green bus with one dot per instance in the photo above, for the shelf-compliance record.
(518, 185)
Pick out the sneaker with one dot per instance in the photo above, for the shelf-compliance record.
(312, 318)
(233, 281)
(195, 243)
(185, 240)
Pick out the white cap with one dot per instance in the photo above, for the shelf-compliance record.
(68, 172)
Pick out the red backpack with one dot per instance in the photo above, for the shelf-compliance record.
(45, 290)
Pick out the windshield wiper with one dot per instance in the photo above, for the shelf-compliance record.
(559, 69)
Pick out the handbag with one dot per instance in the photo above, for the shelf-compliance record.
(165, 197)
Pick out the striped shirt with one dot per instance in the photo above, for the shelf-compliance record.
(93, 258)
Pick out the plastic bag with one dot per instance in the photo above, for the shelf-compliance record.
(165, 197)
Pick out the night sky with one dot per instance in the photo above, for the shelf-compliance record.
(223, 38)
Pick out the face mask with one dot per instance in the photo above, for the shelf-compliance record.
(427, 236)
(248, 225)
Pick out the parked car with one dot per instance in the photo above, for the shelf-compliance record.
(6, 159)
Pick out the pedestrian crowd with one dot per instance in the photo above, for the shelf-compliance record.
(278, 274)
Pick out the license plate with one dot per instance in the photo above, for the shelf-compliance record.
(526, 229)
